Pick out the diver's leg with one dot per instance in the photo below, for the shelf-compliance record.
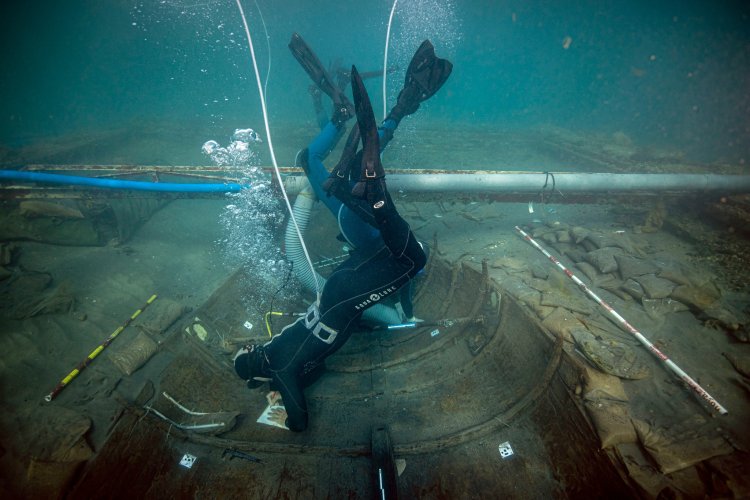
(424, 76)
(371, 187)
(350, 291)
(386, 131)
(315, 170)
(397, 234)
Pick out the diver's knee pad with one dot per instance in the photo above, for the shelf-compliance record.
(320, 330)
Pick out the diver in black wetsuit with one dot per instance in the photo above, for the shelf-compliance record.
(425, 68)
(293, 358)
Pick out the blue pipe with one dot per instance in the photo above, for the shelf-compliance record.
(16, 175)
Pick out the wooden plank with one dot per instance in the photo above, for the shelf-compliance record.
(383, 465)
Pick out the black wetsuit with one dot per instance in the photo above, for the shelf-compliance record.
(373, 272)
(360, 282)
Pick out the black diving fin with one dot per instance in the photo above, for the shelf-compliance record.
(372, 176)
(339, 178)
(425, 75)
(320, 76)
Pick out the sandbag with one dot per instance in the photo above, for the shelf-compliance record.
(610, 356)
(161, 316)
(134, 355)
(612, 422)
(676, 449)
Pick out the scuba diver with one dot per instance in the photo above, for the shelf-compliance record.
(386, 254)
(425, 75)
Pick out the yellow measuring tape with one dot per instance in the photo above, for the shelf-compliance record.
(268, 323)
(83, 364)
(276, 313)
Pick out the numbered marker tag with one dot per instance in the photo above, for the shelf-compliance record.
(188, 460)
(505, 450)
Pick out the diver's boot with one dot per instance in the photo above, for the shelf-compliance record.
(371, 185)
(424, 76)
(343, 109)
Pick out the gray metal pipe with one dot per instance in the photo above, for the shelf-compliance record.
(567, 182)
(482, 181)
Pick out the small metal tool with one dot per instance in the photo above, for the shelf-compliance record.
(238, 454)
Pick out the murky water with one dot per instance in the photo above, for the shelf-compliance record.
(633, 87)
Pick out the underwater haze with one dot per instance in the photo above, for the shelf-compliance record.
(158, 78)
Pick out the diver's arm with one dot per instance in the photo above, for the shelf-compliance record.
(294, 400)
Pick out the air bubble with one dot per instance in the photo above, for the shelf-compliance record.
(250, 222)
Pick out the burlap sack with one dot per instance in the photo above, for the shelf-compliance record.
(135, 354)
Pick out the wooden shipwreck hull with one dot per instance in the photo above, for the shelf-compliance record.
(434, 404)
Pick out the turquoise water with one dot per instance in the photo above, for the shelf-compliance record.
(670, 74)
(536, 85)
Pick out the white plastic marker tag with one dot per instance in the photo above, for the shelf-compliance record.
(248, 325)
(435, 332)
(505, 450)
(188, 460)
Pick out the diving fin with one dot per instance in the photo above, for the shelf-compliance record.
(371, 183)
(339, 177)
(343, 109)
(424, 77)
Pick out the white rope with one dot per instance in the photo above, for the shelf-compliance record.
(385, 60)
(268, 49)
(270, 144)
